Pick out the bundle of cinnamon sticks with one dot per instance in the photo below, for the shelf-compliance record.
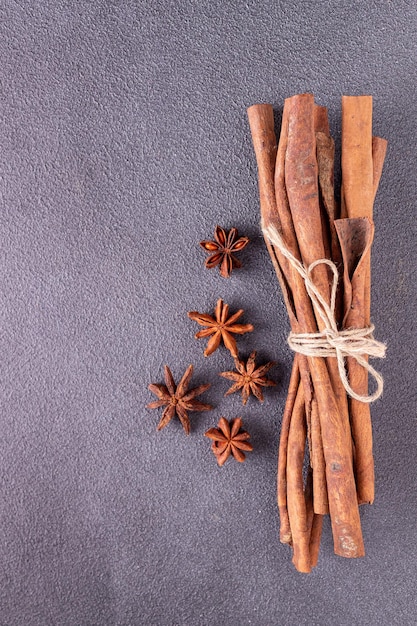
(320, 249)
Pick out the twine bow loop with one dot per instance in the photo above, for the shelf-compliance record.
(358, 343)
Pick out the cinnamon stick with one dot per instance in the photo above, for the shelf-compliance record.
(302, 302)
(302, 190)
(379, 150)
(320, 498)
(297, 510)
(358, 167)
(355, 236)
(362, 161)
(325, 164)
(357, 161)
(261, 122)
(314, 520)
(285, 529)
(262, 128)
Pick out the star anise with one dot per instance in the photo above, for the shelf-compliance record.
(177, 400)
(223, 249)
(220, 327)
(249, 378)
(229, 439)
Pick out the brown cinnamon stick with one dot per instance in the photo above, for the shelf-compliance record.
(362, 160)
(325, 164)
(314, 520)
(261, 122)
(315, 538)
(297, 510)
(355, 236)
(302, 190)
(262, 128)
(285, 529)
(320, 498)
(379, 150)
(302, 302)
(357, 161)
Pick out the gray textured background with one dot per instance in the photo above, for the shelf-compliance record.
(124, 140)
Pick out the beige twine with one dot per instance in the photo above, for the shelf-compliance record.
(354, 342)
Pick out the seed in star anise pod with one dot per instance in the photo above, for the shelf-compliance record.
(223, 249)
(229, 439)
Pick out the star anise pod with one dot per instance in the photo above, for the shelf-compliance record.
(249, 378)
(220, 327)
(176, 399)
(229, 439)
(223, 250)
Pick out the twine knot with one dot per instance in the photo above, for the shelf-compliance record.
(358, 343)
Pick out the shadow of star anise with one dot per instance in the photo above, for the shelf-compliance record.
(220, 327)
(249, 378)
(222, 250)
(229, 439)
(176, 399)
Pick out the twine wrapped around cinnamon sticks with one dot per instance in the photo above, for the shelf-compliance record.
(354, 343)
(323, 266)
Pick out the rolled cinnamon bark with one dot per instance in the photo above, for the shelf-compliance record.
(329, 211)
(302, 301)
(358, 167)
(285, 528)
(297, 510)
(302, 189)
(355, 236)
(325, 164)
(362, 161)
(379, 150)
(357, 161)
(314, 520)
(320, 498)
(261, 122)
